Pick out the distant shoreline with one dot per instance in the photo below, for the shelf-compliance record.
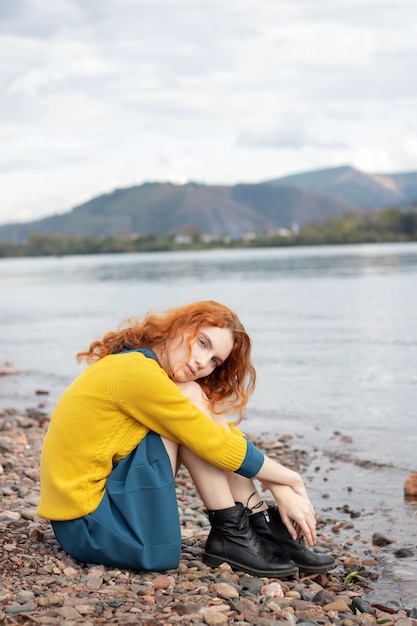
(385, 226)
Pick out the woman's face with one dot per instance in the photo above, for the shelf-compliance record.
(208, 350)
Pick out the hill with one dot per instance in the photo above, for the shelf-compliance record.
(164, 208)
(365, 191)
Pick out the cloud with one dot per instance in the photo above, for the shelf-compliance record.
(289, 132)
(103, 93)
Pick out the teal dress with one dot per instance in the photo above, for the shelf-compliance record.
(136, 525)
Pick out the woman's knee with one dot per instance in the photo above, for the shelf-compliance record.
(196, 395)
(193, 391)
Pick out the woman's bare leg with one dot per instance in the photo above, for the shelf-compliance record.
(172, 450)
(211, 482)
(244, 490)
(217, 489)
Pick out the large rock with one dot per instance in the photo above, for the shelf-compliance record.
(410, 485)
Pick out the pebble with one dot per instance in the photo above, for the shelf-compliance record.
(338, 606)
(161, 582)
(273, 589)
(362, 606)
(212, 619)
(380, 540)
(224, 590)
(40, 584)
(403, 553)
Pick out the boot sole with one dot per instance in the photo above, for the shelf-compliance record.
(316, 569)
(215, 561)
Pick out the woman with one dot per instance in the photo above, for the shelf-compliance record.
(154, 396)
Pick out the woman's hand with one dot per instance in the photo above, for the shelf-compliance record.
(296, 512)
(290, 494)
(300, 488)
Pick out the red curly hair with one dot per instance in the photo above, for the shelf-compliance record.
(229, 387)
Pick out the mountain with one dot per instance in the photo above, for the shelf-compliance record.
(365, 191)
(163, 208)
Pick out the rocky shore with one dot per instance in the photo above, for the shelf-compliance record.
(40, 584)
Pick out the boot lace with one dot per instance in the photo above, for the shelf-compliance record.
(244, 523)
(255, 506)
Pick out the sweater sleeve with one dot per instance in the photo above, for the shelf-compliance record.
(142, 389)
(252, 462)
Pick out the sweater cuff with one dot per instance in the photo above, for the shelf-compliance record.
(252, 462)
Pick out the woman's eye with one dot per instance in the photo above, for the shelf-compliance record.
(214, 361)
(202, 342)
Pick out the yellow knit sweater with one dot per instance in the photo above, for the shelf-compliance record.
(101, 418)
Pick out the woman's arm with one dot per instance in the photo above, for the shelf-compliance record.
(285, 485)
(290, 494)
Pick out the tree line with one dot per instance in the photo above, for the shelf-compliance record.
(389, 225)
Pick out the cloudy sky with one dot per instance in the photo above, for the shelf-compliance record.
(99, 94)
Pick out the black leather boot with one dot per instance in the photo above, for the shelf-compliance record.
(232, 540)
(269, 526)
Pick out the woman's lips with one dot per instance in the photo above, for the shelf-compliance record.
(190, 370)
